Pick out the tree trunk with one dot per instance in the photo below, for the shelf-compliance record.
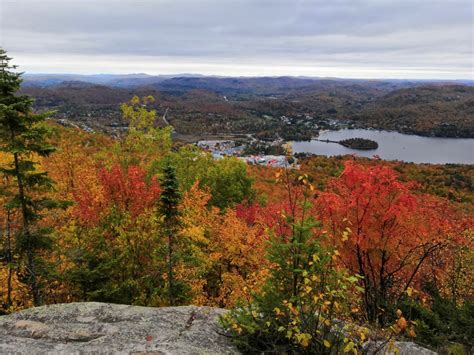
(9, 261)
(30, 263)
(170, 269)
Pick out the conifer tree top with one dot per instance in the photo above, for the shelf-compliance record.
(9, 81)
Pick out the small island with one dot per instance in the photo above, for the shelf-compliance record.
(359, 143)
(354, 143)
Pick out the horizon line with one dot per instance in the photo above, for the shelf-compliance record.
(185, 74)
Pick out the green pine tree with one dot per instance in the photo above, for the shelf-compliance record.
(169, 201)
(23, 137)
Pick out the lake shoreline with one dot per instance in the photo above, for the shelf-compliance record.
(393, 146)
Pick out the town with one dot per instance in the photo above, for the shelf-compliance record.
(222, 148)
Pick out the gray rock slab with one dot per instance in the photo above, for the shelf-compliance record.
(101, 328)
(399, 348)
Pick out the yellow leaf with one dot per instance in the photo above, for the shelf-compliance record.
(304, 342)
(349, 347)
(345, 236)
(327, 344)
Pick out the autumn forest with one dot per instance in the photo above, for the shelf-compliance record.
(385, 247)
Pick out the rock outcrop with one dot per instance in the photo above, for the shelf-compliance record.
(101, 328)
(400, 348)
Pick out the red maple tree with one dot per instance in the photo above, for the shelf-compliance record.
(385, 231)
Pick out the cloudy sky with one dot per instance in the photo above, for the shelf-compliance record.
(343, 38)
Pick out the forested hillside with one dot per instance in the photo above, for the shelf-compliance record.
(205, 106)
(316, 260)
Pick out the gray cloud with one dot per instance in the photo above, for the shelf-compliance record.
(410, 38)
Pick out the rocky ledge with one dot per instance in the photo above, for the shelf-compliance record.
(101, 328)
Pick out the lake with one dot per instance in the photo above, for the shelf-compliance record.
(394, 146)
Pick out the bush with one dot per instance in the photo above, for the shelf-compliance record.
(308, 323)
(306, 299)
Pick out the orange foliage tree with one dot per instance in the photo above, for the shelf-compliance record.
(225, 251)
(113, 227)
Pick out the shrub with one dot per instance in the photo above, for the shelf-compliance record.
(306, 299)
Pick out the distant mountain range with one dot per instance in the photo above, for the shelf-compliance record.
(219, 83)
(292, 108)
(116, 80)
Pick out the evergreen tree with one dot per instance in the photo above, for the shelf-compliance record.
(169, 201)
(23, 138)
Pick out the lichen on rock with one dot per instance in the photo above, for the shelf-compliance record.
(109, 328)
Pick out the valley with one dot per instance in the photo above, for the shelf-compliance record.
(268, 108)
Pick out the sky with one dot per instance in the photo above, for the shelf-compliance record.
(425, 39)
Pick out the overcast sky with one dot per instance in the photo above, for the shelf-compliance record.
(343, 38)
